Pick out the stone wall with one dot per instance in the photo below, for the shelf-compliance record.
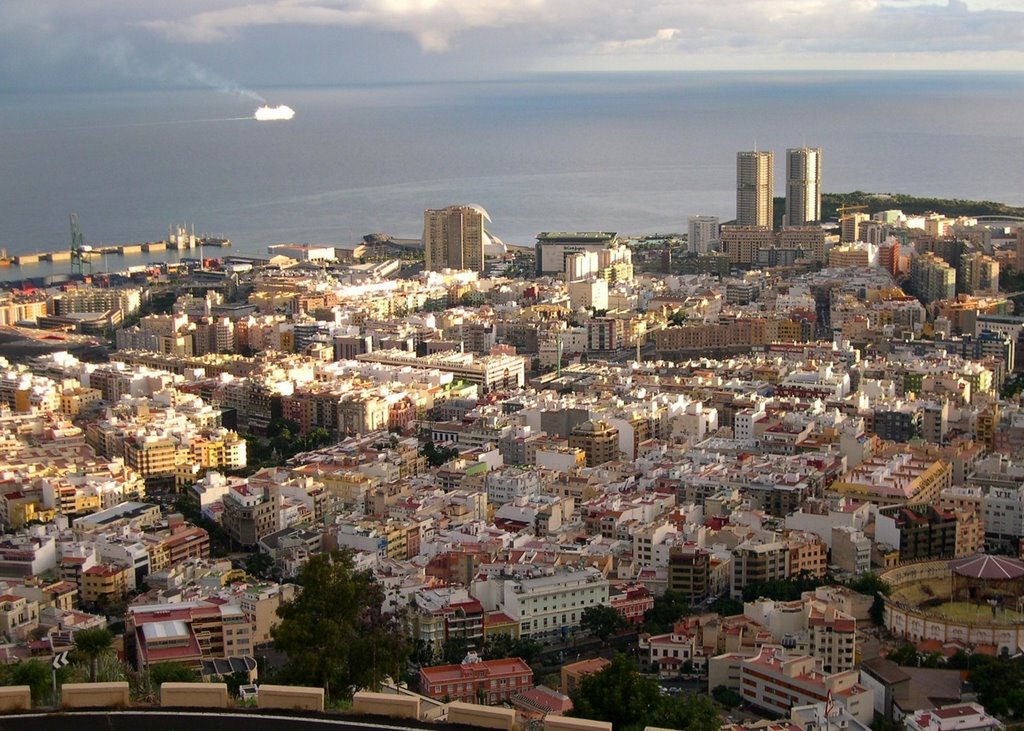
(564, 723)
(194, 695)
(15, 698)
(288, 697)
(469, 714)
(386, 704)
(95, 695)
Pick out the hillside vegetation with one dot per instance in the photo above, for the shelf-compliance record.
(875, 202)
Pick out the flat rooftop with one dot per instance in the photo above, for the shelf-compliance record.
(552, 237)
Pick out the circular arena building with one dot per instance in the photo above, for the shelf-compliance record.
(976, 601)
(994, 580)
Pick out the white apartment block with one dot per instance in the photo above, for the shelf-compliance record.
(509, 484)
(545, 606)
(809, 626)
(1004, 513)
(776, 682)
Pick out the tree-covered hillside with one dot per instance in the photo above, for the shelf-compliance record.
(875, 202)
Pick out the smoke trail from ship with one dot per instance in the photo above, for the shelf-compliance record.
(120, 55)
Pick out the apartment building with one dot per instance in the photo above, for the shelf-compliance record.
(689, 572)
(487, 682)
(757, 562)
(187, 633)
(105, 583)
(545, 606)
(19, 616)
(250, 514)
(774, 681)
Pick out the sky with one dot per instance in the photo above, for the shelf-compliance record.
(240, 44)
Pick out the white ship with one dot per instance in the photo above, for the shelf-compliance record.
(274, 114)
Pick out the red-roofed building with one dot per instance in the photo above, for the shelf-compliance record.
(477, 681)
(775, 682)
(668, 653)
(632, 601)
(957, 717)
(572, 672)
(105, 581)
(189, 632)
(537, 703)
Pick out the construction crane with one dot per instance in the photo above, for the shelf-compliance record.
(842, 210)
(80, 260)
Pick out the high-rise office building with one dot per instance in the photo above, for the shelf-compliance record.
(803, 185)
(703, 235)
(454, 238)
(754, 188)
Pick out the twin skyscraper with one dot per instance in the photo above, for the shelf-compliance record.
(755, 187)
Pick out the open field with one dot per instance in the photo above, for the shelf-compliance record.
(924, 593)
(920, 592)
(967, 612)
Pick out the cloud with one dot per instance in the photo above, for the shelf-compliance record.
(122, 57)
(433, 23)
(537, 33)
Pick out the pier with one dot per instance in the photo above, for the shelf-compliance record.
(117, 250)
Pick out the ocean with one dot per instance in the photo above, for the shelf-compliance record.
(633, 153)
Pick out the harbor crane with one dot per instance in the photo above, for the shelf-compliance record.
(80, 259)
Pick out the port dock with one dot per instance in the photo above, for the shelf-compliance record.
(118, 250)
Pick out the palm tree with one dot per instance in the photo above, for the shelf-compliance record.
(92, 643)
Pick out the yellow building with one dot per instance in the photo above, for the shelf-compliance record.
(150, 455)
(895, 480)
(104, 582)
(22, 508)
(72, 401)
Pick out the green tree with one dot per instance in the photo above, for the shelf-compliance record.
(727, 606)
(36, 674)
(171, 672)
(618, 694)
(687, 713)
(870, 583)
(726, 696)
(877, 611)
(498, 647)
(91, 644)
(668, 609)
(259, 565)
(455, 650)
(438, 456)
(783, 590)
(905, 654)
(601, 621)
(333, 631)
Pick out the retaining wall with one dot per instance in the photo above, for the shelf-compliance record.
(386, 704)
(288, 697)
(469, 714)
(15, 698)
(194, 695)
(95, 695)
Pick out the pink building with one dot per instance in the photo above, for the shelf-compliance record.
(477, 681)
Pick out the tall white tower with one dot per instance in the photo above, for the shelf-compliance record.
(754, 188)
(803, 185)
